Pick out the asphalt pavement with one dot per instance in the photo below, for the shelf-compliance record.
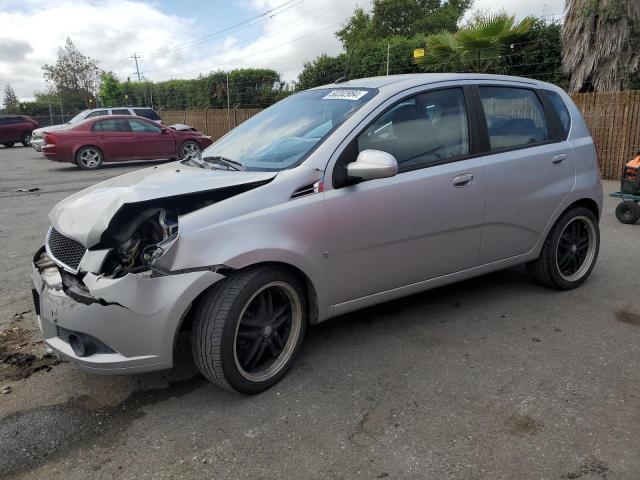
(491, 378)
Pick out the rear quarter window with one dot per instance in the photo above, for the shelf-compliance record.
(561, 110)
(147, 113)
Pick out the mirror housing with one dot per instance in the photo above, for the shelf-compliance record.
(163, 130)
(372, 164)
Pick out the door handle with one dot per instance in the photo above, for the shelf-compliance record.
(463, 180)
(558, 159)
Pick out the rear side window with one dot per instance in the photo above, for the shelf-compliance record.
(147, 113)
(120, 111)
(561, 111)
(111, 125)
(515, 117)
(4, 121)
(97, 113)
(425, 129)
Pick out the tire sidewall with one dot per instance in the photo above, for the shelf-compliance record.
(79, 163)
(631, 207)
(188, 142)
(23, 140)
(558, 229)
(231, 373)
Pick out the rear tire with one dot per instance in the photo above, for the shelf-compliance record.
(248, 328)
(89, 158)
(569, 252)
(26, 139)
(8, 144)
(628, 212)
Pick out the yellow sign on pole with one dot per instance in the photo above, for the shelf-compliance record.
(418, 53)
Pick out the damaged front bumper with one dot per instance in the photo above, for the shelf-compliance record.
(132, 321)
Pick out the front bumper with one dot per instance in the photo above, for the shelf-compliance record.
(135, 317)
(37, 143)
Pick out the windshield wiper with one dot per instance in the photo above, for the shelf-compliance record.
(230, 164)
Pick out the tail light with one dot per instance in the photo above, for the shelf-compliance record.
(49, 139)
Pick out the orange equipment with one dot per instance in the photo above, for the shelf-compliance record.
(630, 182)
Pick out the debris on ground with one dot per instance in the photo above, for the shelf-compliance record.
(19, 353)
(28, 190)
(6, 389)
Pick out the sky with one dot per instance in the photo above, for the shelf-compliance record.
(182, 38)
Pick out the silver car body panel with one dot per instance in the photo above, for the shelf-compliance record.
(357, 246)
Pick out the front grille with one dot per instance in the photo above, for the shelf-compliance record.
(100, 347)
(64, 250)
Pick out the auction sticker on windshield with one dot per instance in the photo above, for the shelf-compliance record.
(345, 95)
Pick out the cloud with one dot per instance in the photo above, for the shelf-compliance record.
(170, 46)
(13, 50)
(109, 31)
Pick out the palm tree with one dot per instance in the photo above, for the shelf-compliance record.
(600, 43)
(482, 46)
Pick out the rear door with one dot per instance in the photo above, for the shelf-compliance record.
(114, 137)
(149, 142)
(5, 129)
(529, 167)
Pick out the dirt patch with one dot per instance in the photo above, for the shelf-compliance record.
(370, 427)
(628, 316)
(523, 425)
(18, 357)
(591, 467)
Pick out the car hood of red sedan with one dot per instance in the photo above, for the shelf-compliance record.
(85, 215)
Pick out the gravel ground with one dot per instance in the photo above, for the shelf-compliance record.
(492, 378)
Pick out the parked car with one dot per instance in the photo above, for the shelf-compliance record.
(37, 140)
(118, 138)
(331, 200)
(16, 128)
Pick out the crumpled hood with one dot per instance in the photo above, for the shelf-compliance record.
(85, 215)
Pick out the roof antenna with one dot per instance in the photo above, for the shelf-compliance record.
(344, 77)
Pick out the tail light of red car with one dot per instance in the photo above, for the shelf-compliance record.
(49, 139)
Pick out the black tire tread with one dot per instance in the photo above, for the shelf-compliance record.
(211, 313)
(543, 268)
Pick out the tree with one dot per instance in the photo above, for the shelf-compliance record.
(74, 75)
(10, 102)
(407, 18)
(110, 90)
(485, 45)
(600, 43)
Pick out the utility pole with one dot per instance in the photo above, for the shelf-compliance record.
(387, 59)
(228, 103)
(61, 111)
(135, 58)
(50, 114)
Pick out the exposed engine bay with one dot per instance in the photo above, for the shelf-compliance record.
(141, 232)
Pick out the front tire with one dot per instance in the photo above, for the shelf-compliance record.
(569, 252)
(248, 329)
(189, 148)
(89, 158)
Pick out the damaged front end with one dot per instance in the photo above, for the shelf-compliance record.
(108, 307)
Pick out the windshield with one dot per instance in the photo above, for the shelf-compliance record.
(78, 117)
(282, 135)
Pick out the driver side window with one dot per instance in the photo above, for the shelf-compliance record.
(421, 130)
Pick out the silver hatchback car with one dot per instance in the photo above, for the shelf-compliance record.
(334, 199)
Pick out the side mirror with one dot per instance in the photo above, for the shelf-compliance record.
(372, 164)
(163, 130)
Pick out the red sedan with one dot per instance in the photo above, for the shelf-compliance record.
(118, 138)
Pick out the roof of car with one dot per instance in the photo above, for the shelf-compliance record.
(411, 79)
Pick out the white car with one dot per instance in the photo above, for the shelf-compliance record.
(37, 137)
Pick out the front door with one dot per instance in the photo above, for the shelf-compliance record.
(149, 142)
(421, 224)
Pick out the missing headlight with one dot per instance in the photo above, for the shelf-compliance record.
(140, 241)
